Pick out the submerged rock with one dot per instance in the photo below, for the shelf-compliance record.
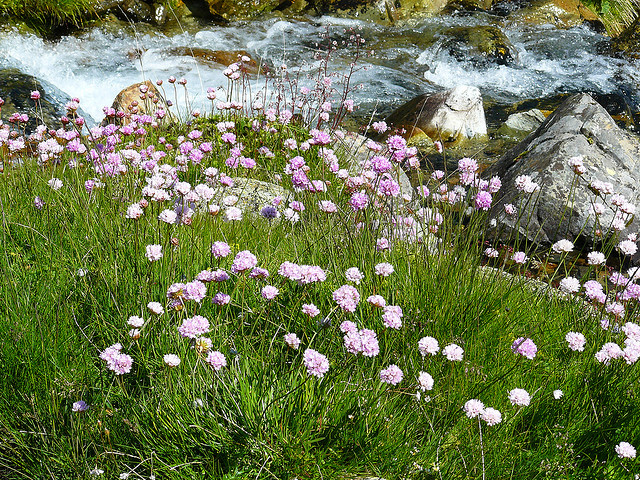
(580, 127)
(559, 13)
(450, 116)
(16, 88)
(520, 124)
(215, 57)
(480, 45)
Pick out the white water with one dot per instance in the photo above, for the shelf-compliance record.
(95, 66)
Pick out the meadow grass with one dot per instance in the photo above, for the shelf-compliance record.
(85, 394)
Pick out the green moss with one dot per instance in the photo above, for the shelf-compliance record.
(616, 15)
(49, 16)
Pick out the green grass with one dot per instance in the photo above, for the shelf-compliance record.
(263, 416)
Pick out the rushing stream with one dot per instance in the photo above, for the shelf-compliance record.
(408, 60)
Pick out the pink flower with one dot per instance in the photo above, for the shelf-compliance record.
(171, 360)
(376, 301)
(117, 361)
(354, 275)
(154, 252)
(245, 260)
(391, 375)
(576, 341)
(135, 322)
(483, 200)
(359, 201)
(425, 381)
(382, 244)
(519, 258)
(216, 360)
(269, 292)
(194, 327)
(519, 397)
(428, 346)
(134, 211)
(473, 408)
(220, 249)
(562, 246)
(384, 269)
(316, 363)
(525, 347)
(453, 352)
(491, 416)
(392, 317)
(625, 450)
(628, 247)
(221, 299)
(347, 297)
(348, 326)
(155, 307)
(569, 285)
(327, 206)
(310, 309)
(292, 340)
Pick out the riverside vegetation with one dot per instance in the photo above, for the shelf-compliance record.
(151, 328)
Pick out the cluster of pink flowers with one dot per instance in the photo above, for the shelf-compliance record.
(220, 249)
(292, 340)
(525, 347)
(316, 363)
(216, 360)
(519, 397)
(194, 327)
(245, 260)
(576, 341)
(357, 341)
(347, 297)
(303, 274)
(392, 375)
(118, 362)
(453, 352)
(392, 316)
(384, 269)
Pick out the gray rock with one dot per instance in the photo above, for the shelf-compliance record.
(520, 124)
(578, 127)
(254, 194)
(451, 115)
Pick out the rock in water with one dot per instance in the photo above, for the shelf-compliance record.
(579, 127)
(520, 124)
(16, 88)
(450, 116)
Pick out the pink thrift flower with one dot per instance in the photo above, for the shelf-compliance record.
(171, 360)
(310, 309)
(473, 408)
(453, 352)
(316, 363)
(216, 360)
(220, 249)
(354, 275)
(155, 307)
(576, 341)
(348, 326)
(347, 297)
(428, 346)
(269, 292)
(391, 375)
(525, 347)
(359, 201)
(519, 258)
(392, 317)
(384, 269)
(425, 381)
(134, 211)
(625, 450)
(377, 301)
(382, 244)
(154, 252)
(245, 260)
(483, 200)
(221, 299)
(491, 416)
(292, 340)
(194, 327)
(519, 397)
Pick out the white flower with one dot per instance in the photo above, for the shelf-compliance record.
(168, 216)
(558, 394)
(55, 183)
(425, 381)
(155, 307)
(473, 408)
(562, 246)
(625, 450)
(171, 360)
(519, 397)
(627, 247)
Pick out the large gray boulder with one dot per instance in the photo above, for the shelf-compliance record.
(578, 127)
(450, 116)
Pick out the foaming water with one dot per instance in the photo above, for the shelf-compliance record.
(407, 60)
